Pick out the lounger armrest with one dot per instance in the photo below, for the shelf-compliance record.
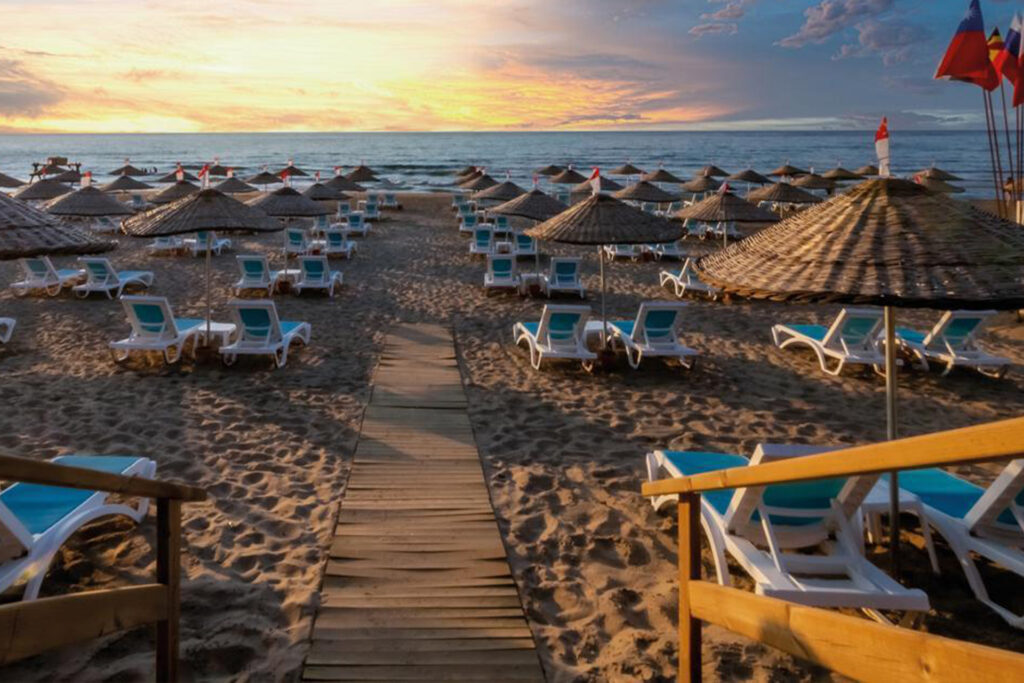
(14, 468)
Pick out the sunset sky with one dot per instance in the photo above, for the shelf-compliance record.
(256, 65)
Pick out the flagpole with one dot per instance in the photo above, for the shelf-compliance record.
(991, 151)
(1009, 154)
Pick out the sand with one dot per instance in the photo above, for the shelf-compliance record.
(562, 450)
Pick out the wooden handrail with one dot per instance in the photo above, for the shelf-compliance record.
(992, 441)
(13, 468)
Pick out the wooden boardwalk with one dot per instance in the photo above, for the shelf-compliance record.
(417, 585)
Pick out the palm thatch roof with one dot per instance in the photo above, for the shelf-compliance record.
(501, 192)
(286, 202)
(8, 181)
(173, 193)
(713, 171)
(71, 176)
(645, 191)
(207, 209)
(604, 184)
(534, 205)
(840, 173)
(27, 231)
(233, 185)
(940, 186)
(125, 183)
(263, 178)
(885, 242)
(867, 170)
(550, 170)
(42, 190)
(749, 176)
(935, 173)
(783, 193)
(292, 170)
(787, 170)
(172, 177)
(813, 181)
(602, 219)
(340, 182)
(568, 177)
(219, 170)
(362, 174)
(128, 169)
(626, 169)
(480, 182)
(88, 201)
(466, 170)
(319, 192)
(662, 176)
(702, 183)
(725, 206)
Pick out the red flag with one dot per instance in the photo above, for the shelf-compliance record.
(967, 58)
(595, 181)
(882, 148)
(284, 174)
(1006, 62)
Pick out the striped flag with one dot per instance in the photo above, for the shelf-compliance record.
(882, 148)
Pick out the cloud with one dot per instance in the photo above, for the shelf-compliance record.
(702, 30)
(735, 9)
(831, 16)
(918, 85)
(22, 93)
(893, 40)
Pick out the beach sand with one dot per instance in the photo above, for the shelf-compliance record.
(562, 449)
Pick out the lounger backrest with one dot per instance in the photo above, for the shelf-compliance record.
(344, 208)
(205, 238)
(355, 220)
(254, 269)
(295, 237)
(321, 223)
(15, 539)
(957, 329)
(99, 270)
(469, 220)
(150, 317)
(657, 323)
(501, 267)
(314, 268)
(687, 272)
(565, 271)
(854, 329)
(993, 510)
(483, 237)
(105, 222)
(257, 321)
(39, 268)
(501, 222)
(524, 241)
(562, 326)
(335, 238)
(390, 198)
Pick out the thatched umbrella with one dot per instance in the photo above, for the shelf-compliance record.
(940, 186)
(935, 173)
(813, 181)
(605, 185)
(291, 170)
(9, 182)
(787, 171)
(550, 170)
(534, 205)
(602, 219)
(26, 231)
(502, 192)
(466, 170)
(87, 202)
(232, 185)
(362, 174)
(568, 177)
(263, 178)
(70, 176)
(42, 190)
(173, 193)
(749, 176)
(839, 174)
(867, 170)
(204, 210)
(128, 169)
(645, 191)
(783, 193)
(218, 169)
(701, 184)
(319, 192)
(713, 171)
(340, 182)
(172, 177)
(662, 176)
(481, 182)
(125, 183)
(286, 202)
(726, 207)
(887, 242)
(627, 170)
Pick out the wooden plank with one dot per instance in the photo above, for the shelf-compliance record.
(29, 628)
(851, 646)
(369, 569)
(519, 630)
(987, 442)
(168, 573)
(328, 652)
(449, 672)
(485, 586)
(480, 651)
(689, 571)
(438, 601)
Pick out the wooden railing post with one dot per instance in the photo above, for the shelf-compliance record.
(168, 573)
(689, 570)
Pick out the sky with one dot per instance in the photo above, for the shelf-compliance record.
(119, 66)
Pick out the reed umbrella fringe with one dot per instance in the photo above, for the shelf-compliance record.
(726, 206)
(935, 173)
(286, 202)
(626, 169)
(867, 170)
(550, 170)
(645, 191)
(128, 170)
(319, 192)
(503, 192)
(362, 174)
(42, 190)
(263, 178)
(534, 205)
(292, 170)
(783, 193)
(9, 182)
(568, 177)
(340, 182)
(712, 170)
(71, 176)
(27, 231)
(749, 176)
(86, 202)
(601, 219)
(173, 193)
(787, 170)
(125, 183)
(813, 181)
(604, 185)
(662, 176)
(839, 173)
(233, 185)
(481, 182)
(703, 183)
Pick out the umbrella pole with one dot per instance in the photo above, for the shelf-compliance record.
(604, 317)
(890, 421)
(208, 307)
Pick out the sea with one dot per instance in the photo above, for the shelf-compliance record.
(428, 161)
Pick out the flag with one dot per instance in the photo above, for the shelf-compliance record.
(284, 173)
(536, 179)
(179, 174)
(87, 179)
(882, 148)
(204, 175)
(1018, 89)
(1007, 61)
(595, 181)
(316, 176)
(337, 171)
(966, 58)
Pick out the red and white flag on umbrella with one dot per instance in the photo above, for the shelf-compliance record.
(316, 176)
(87, 179)
(204, 175)
(595, 181)
(179, 174)
(882, 148)
(337, 171)
(285, 175)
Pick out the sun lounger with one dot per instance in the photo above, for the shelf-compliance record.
(36, 520)
(357, 225)
(166, 245)
(675, 250)
(620, 251)
(322, 224)
(850, 340)
(988, 522)
(501, 272)
(655, 332)
(953, 341)
(40, 275)
(256, 275)
(685, 280)
(524, 245)
(371, 210)
(344, 209)
(101, 277)
(104, 226)
(468, 222)
(560, 333)
(6, 329)
(390, 201)
(695, 228)
(483, 241)
(262, 333)
(756, 525)
(563, 276)
(335, 243)
(315, 273)
(500, 223)
(296, 243)
(154, 328)
(138, 202)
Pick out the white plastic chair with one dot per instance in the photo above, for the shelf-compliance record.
(560, 333)
(852, 339)
(315, 273)
(40, 275)
(261, 332)
(154, 328)
(101, 277)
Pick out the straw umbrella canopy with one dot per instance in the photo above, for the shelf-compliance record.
(125, 183)
(813, 181)
(71, 176)
(749, 176)
(662, 176)
(867, 170)
(601, 219)
(502, 192)
(173, 193)
(42, 190)
(8, 181)
(286, 202)
(128, 169)
(263, 178)
(472, 175)
(783, 193)
(550, 170)
(319, 192)
(206, 210)
(535, 205)
(700, 184)
(713, 171)
(27, 231)
(568, 177)
(626, 169)
(839, 173)
(481, 182)
(887, 242)
(935, 173)
(362, 174)
(466, 170)
(940, 186)
(218, 169)
(606, 185)
(645, 191)
(87, 202)
(172, 177)
(340, 182)
(787, 170)
(727, 207)
(233, 185)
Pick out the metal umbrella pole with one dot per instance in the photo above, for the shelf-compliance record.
(604, 317)
(208, 306)
(891, 433)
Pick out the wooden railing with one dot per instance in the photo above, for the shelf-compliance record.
(848, 645)
(29, 628)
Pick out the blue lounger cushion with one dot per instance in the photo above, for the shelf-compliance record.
(948, 493)
(287, 327)
(817, 332)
